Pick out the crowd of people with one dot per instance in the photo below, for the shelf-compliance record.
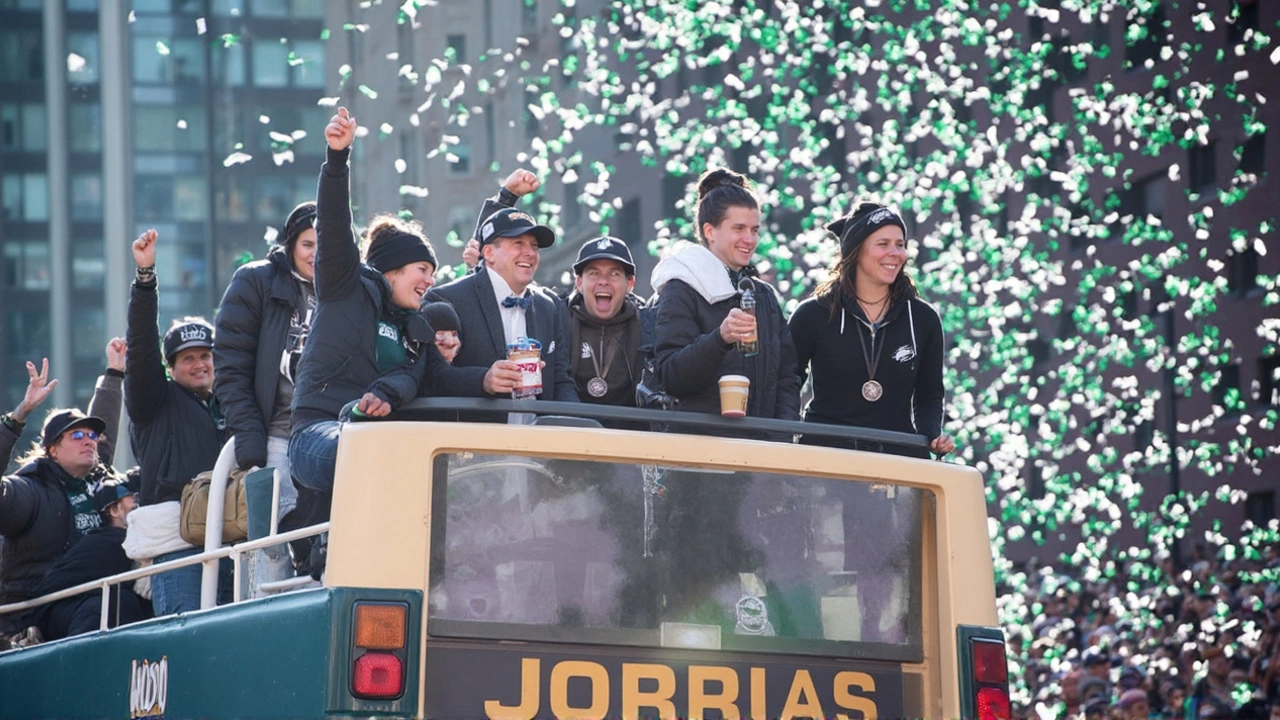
(1202, 641)
(330, 325)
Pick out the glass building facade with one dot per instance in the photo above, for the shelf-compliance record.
(120, 116)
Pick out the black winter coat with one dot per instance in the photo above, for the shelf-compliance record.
(175, 434)
(909, 367)
(37, 523)
(99, 554)
(252, 329)
(691, 356)
(340, 361)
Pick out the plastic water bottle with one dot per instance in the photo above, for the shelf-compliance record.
(750, 345)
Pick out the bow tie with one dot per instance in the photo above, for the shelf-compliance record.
(521, 302)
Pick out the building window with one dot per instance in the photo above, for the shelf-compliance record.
(572, 209)
(83, 61)
(673, 190)
(1145, 37)
(21, 56)
(1242, 271)
(166, 128)
(1253, 154)
(532, 125)
(228, 65)
(456, 48)
(1243, 18)
(1269, 381)
(529, 17)
(88, 265)
(25, 196)
(459, 158)
(86, 197)
(1260, 508)
(629, 229)
(22, 127)
(1227, 391)
(271, 8)
(162, 61)
(307, 61)
(1201, 172)
(270, 63)
(26, 265)
(85, 126)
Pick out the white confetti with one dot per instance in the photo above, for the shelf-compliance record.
(236, 158)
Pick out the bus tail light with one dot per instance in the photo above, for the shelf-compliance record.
(379, 638)
(993, 704)
(378, 675)
(984, 674)
(380, 626)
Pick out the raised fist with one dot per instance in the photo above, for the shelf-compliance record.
(144, 249)
(521, 182)
(341, 130)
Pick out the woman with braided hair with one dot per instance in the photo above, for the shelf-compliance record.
(874, 347)
(700, 323)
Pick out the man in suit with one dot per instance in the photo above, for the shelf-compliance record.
(499, 304)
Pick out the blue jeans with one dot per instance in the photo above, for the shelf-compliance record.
(313, 452)
(178, 590)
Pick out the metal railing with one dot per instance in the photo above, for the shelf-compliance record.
(212, 555)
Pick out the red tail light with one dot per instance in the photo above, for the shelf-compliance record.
(989, 664)
(379, 676)
(993, 704)
(989, 682)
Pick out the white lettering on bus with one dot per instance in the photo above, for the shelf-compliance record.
(802, 696)
(148, 688)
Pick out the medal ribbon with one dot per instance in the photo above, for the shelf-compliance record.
(608, 361)
(871, 366)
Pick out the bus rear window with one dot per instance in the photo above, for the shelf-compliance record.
(622, 554)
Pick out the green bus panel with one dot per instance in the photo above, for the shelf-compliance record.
(281, 657)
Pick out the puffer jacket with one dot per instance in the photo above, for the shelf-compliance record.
(251, 331)
(340, 361)
(38, 526)
(690, 354)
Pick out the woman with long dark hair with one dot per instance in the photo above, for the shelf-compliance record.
(874, 347)
(700, 322)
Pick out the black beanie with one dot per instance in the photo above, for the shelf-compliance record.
(442, 316)
(857, 226)
(302, 217)
(397, 249)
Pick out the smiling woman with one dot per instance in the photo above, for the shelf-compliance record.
(874, 346)
(700, 322)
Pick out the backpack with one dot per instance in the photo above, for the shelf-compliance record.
(649, 391)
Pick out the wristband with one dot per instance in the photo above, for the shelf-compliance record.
(146, 275)
(13, 423)
(112, 372)
(506, 197)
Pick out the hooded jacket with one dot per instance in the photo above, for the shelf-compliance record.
(176, 435)
(340, 361)
(694, 295)
(252, 331)
(908, 351)
(614, 343)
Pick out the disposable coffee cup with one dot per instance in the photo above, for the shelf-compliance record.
(529, 358)
(734, 390)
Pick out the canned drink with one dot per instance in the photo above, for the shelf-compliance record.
(527, 353)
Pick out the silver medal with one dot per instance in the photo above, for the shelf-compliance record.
(597, 387)
(872, 391)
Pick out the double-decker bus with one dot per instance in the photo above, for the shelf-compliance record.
(561, 569)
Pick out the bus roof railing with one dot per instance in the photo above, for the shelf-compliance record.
(438, 408)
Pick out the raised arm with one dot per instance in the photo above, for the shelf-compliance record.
(337, 263)
(517, 185)
(145, 381)
(12, 424)
(108, 396)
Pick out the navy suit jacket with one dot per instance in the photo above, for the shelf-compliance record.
(483, 340)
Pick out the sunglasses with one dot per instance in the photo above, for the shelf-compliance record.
(82, 434)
